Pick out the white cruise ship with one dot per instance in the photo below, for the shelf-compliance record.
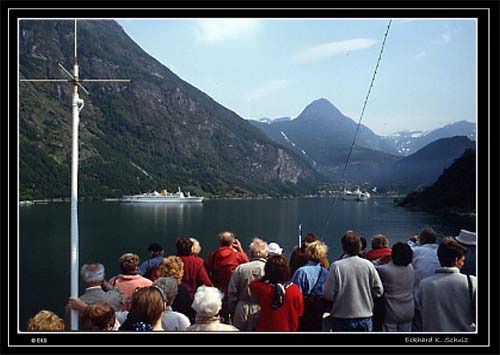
(162, 197)
(357, 195)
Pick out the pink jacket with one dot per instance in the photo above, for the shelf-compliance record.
(127, 284)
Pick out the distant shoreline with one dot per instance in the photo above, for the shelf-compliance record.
(117, 199)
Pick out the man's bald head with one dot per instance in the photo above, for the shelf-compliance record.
(226, 239)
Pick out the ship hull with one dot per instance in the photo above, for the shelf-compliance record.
(350, 197)
(168, 200)
(354, 196)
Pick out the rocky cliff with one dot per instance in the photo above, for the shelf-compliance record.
(156, 131)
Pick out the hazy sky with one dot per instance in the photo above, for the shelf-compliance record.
(276, 67)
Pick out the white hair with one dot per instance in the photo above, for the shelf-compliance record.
(207, 301)
(258, 248)
(92, 272)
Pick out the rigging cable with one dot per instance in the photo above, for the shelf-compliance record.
(359, 121)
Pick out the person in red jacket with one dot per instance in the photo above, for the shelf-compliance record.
(380, 254)
(281, 302)
(195, 274)
(221, 263)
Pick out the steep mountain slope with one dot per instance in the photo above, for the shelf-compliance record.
(323, 135)
(157, 131)
(454, 191)
(427, 164)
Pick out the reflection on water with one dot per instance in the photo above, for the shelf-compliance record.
(164, 213)
(107, 230)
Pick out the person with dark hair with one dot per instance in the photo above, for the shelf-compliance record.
(155, 252)
(299, 257)
(98, 317)
(280, 300)
(468, 240)
(425, 262)
(380, 253)
(364, 244)
(397, 278)
(96, 289)
(222, 262)
(362, 250)
(184, 246)
(310, 279)
(195, 273)
(146, 310)
(241, 303)
(129, 280)
(447, 299)
(351, 284)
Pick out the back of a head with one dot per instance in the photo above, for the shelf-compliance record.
(427, 236)
(401, 254)
(147, 305)
(364, 243)
(258, 248)
(277, 269)
(172, 266)
(308, 239)
(92, 273)
(351, 243)
(99, 316)
(129, 263)
(155, 249)
(316, 251)
(184, 246)
(207, 301)
(45, 321)
(169, 287)
(274, 248)
(226, 239)
(196, 249)
(449, 251)
(380, 241)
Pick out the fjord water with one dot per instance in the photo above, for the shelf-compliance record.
(109, 229)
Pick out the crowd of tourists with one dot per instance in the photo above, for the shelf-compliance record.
(415, 286)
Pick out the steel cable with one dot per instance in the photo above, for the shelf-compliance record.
(359, 122)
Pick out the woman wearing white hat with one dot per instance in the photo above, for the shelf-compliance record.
(468, 240)
(274, 249)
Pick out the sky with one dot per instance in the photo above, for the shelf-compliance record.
(276, 67)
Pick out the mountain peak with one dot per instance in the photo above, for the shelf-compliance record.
(320, 108)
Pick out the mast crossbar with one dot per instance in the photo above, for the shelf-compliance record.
(77, 106)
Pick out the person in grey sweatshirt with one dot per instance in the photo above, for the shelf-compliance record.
(398, 279)
(448, 298)
(351, 284)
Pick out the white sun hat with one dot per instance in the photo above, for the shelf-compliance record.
(274, 248)
(466, 237)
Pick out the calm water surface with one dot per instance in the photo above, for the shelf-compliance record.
(109, 229)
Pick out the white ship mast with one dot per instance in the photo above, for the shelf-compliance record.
(77, 106)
